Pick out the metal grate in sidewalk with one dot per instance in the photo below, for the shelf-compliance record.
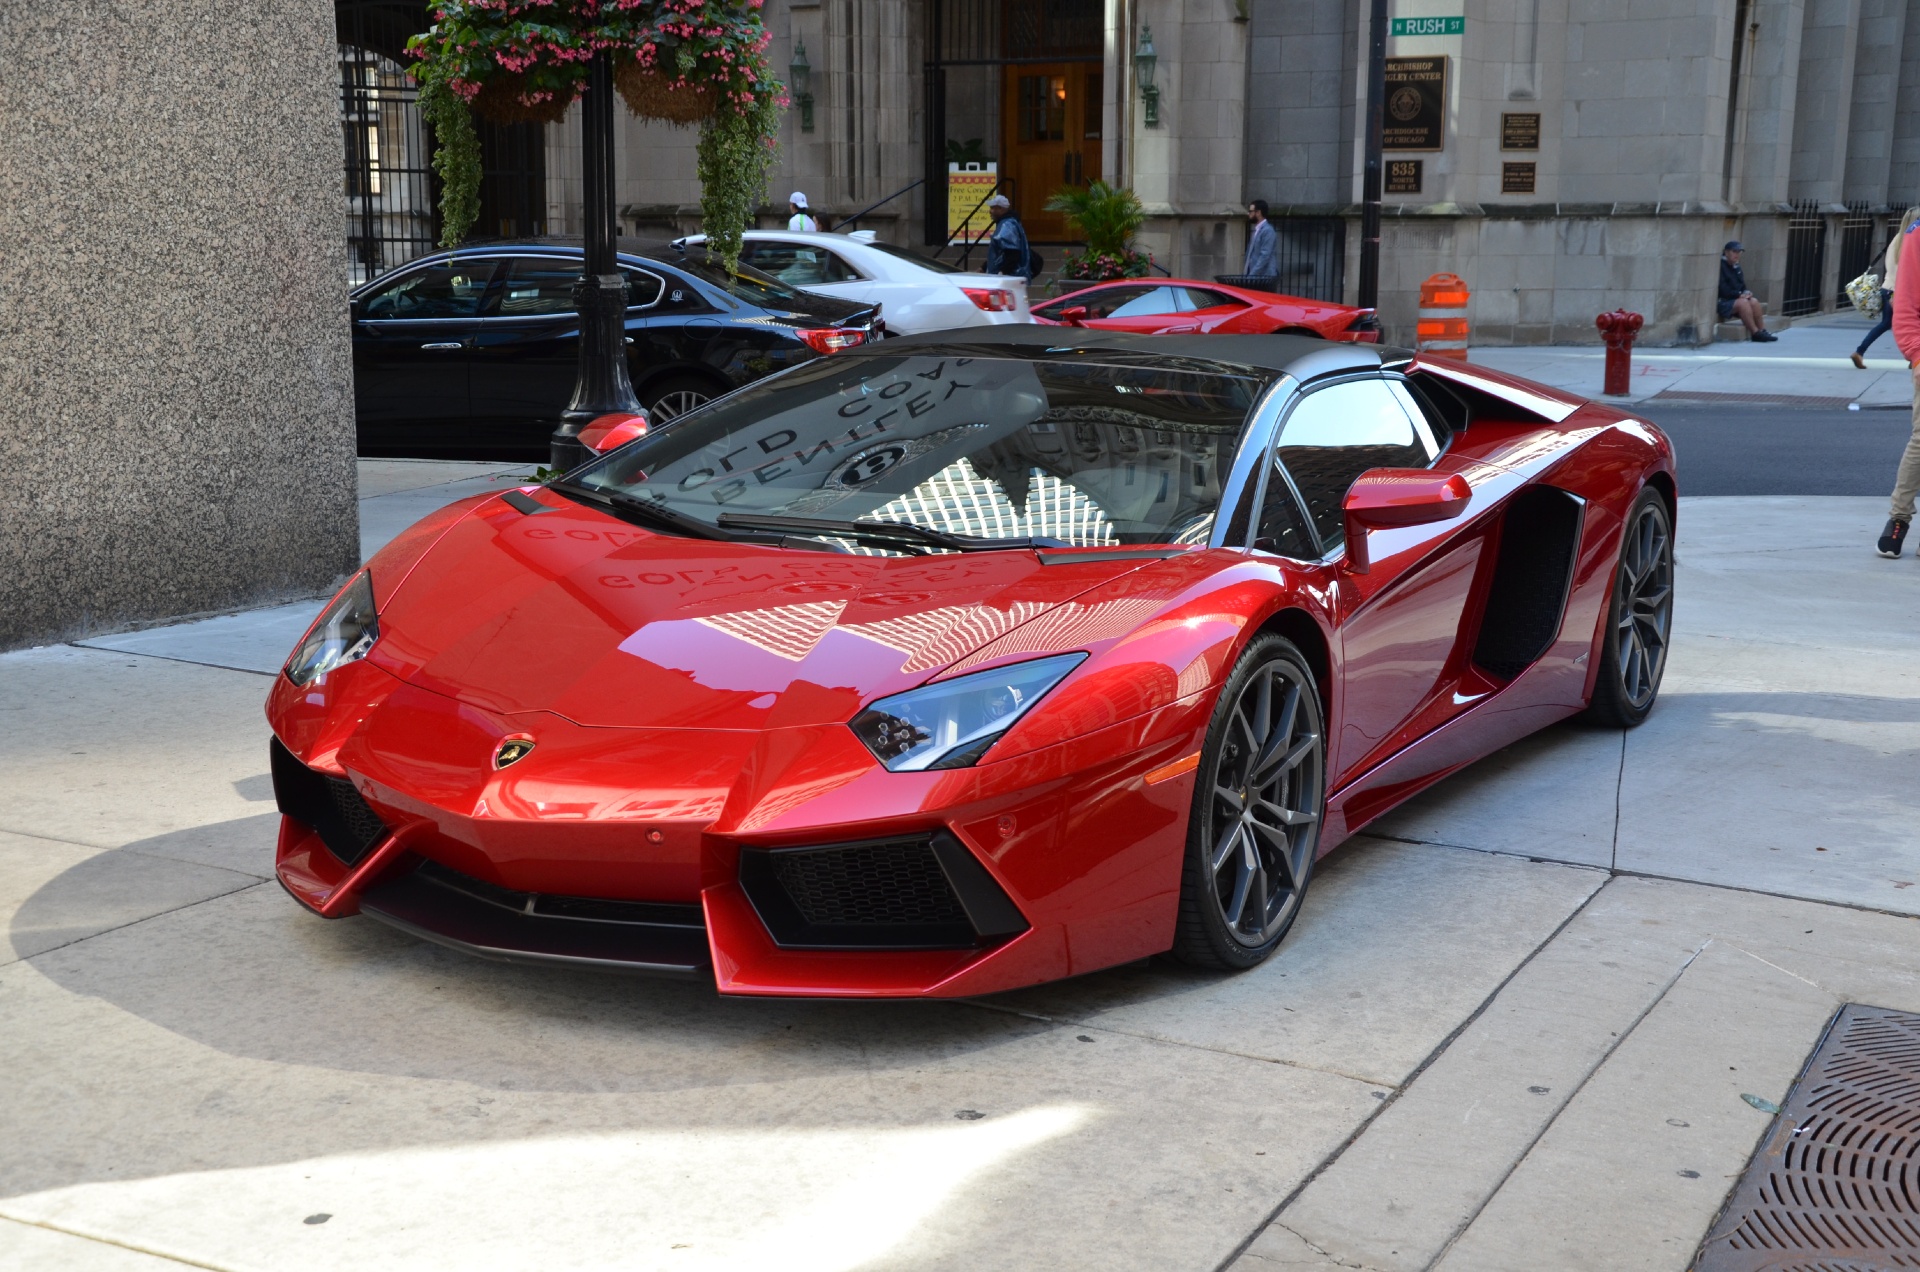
(1835, 1186)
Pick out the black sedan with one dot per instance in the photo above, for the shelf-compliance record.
(472, 353)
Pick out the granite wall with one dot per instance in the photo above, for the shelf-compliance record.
(176, 384)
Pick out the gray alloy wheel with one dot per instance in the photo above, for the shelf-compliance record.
(1633, 653)
(677, 398)
(1258, 803)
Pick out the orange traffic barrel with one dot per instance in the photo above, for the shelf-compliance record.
(1442, 331)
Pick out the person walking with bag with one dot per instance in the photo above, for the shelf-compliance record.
(1892, 263)
(1906, 334)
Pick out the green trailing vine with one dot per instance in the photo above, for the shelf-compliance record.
(456, 157)
(681, 61)
(736, 150)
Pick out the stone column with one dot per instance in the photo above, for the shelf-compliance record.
(176, 393)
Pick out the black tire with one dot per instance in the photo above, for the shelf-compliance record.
(1258, 803)
(675, 396)
(1633, 649)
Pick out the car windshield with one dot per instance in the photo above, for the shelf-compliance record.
(924, 262)
(746, 283)
(1084, 449)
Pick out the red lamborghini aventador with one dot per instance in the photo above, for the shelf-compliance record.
(939, 668)
(1180, 306)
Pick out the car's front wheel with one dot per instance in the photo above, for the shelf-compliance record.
(1259, 798)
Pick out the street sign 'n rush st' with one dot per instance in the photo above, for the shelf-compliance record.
(1416, 114)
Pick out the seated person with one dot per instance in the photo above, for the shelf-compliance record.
(1736, 300)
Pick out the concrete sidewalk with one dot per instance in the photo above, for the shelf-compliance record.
(1807, 366)
(1512, 1030)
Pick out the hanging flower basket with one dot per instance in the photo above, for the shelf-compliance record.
(682, 61)
(503, 99)
(651, 94)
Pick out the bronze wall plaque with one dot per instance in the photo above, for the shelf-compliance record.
(1405, 176)
(1520, 132)
(1516, 178)
(1416, 115)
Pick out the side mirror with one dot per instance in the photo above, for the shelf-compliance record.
(1382, 498)
(1074, 315)
(610, 432)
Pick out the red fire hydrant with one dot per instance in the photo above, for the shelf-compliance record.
(1618, 330)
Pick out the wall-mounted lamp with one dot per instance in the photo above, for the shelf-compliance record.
(800, 75)
(1144, 60)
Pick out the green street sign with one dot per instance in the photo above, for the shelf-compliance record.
(1430, 26)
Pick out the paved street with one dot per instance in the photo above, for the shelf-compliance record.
(1528, 1005)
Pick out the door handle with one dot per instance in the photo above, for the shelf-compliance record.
(453, 344)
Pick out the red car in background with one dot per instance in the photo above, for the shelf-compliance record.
(1181, 306)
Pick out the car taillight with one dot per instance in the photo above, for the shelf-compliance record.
(831, 339)
(1365, 327)
(995, 300)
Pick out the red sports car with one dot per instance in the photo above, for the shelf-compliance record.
(942, 667)
(1180, 306)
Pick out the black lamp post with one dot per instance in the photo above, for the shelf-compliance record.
(601, 386)
(1369, 297)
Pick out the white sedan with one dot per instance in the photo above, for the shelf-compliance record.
(916, 293)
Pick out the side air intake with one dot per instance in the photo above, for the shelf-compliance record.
(1539, 539)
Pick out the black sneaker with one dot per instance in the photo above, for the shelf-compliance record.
(1764, 337)
(1893, 538)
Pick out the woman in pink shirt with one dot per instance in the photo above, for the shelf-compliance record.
(1906, 334)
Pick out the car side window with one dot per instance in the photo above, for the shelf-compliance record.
(1335, 434)
(642, 288)
(1156, 301)
(1281, 528)
(1212, 299)
(1100, 304)
(537, 286)
(452, 290)
(799, 264)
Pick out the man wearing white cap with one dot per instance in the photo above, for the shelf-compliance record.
(797, 202)
(1007, 250)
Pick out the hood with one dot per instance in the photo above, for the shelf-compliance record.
(605, 623)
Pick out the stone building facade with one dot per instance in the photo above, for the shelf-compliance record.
(1583, 154)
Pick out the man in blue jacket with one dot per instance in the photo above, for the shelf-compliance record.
(1007, 250)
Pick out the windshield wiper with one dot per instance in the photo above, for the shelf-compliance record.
(629, 508)
(893, 532)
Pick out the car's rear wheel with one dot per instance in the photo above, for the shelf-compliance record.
(1259, 798)
(1633, 651)
(671, 398)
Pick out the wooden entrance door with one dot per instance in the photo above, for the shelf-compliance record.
(1051, 115)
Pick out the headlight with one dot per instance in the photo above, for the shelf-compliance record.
(343, 633)
(951, 724)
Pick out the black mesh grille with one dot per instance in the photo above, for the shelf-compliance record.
(896, 884)
(330, 805)
(362, 825)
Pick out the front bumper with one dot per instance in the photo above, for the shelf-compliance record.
(782, 862)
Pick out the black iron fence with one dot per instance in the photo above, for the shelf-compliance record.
(1860, 247)
(1311, 255)
(389, 184)
(1806, 260)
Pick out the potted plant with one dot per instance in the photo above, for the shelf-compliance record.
(1107, 217)
(682, 61)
